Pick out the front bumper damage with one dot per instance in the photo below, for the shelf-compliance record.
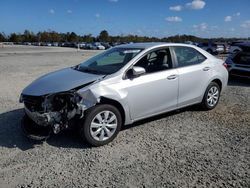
(57, 111)
(43, 119)
(33, 130)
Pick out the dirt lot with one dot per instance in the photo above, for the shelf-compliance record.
(186, 148)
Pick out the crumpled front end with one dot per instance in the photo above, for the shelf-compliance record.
(60, 110)
(55, 110)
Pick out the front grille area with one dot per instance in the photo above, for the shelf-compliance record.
(33, 103)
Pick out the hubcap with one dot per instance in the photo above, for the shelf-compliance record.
(103, 125)
(212, 96)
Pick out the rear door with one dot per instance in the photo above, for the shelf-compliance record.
(194, 72)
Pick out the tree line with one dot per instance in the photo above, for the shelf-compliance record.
(72, 37)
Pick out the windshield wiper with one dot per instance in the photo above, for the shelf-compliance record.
(85, 69)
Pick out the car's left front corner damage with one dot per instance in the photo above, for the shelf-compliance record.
(58, 110)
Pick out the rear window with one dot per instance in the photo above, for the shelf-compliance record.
(187, 56)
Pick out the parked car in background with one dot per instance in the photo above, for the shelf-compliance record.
(42, 43)
(214, 48)
(226, 47)
(27, 43)
(90, 46)
(106, 45)
(234, 47)
(82, 45)
(68, 44)
(115, 44)
(94, 46)
(55, 44)
(99, 46)
(219, 48)
(191, 43)
(36, 44)
(222, 47)
(209, 47)
(122, 85)
(239, 63)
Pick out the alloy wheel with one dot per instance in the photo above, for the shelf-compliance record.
(103, 125)
(212, 96)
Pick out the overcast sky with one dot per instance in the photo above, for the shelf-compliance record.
(160, 18)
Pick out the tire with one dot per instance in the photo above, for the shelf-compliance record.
(101, 124)
(212, 93)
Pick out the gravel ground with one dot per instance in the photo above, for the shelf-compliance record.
(185, 148)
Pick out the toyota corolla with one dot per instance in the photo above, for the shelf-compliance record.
(122, 85)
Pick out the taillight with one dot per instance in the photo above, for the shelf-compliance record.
(225, 65)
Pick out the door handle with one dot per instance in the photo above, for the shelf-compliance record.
(172, 77)
(206, 68)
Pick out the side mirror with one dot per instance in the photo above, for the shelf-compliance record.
(135, 72)
(138, 71)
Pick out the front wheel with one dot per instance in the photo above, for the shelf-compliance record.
(211, 96)
(101, 124)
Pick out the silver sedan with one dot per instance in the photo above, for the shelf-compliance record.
(122, 85)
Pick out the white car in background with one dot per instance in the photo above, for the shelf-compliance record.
(99, 46)
(81, 45)
(220, 48)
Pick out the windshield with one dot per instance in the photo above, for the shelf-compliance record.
(109, 62)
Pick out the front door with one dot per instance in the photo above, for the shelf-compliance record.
(157, 90)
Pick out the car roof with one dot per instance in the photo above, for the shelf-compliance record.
(147, 45)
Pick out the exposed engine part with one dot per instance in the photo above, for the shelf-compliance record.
(54, 110)
(44, 119)
(56, 128)
(57, 110)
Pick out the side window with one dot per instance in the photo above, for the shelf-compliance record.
(155, 61)
(201, 57)
(187, 56)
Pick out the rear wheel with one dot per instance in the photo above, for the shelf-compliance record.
(211, 96)
(101, 124)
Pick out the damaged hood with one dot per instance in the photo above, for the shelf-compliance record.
(59, 81)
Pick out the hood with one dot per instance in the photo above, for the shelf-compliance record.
(59, 81)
